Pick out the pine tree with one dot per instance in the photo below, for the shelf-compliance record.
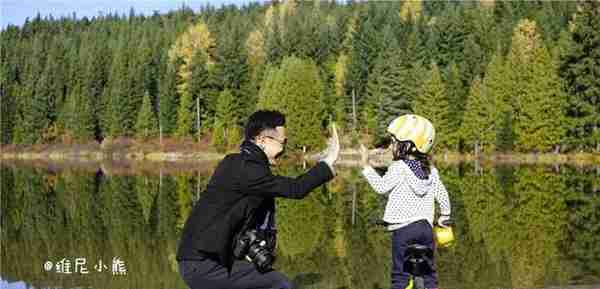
(41, 105)
(474, 65)
(505, 132)
(55, 70)
(120, 112)
(231, 68)
(497, 89)
(7, 99)
(411, 72)
(71, 75)
(140, 63)
(296, 90)
(200, 88)
(329, 98)
(525, 40)
(185, 115)
(146, 125)
(448, 36)
(579, 68)
(373, 108)
(536, 91)
(34, 106)
(80, 121)
(456, 102)
(364, 52)
(95, 79)
(478, 128)
(225, 122)
(385, 97)
(329, 38)
(422, 35)
(541, 118)
(273, 38)
(433, 104)
(169, 100)
(8, 83)
(340, 114)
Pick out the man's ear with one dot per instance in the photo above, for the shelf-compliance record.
(259, 142)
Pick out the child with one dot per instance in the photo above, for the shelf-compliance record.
(413, 184)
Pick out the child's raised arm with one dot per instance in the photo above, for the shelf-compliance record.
(381, 185)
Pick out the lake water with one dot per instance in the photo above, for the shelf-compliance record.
(101, 227)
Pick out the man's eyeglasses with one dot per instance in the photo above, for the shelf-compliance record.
(282, 143)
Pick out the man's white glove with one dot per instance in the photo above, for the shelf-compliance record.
(442, 221)
(333, 148)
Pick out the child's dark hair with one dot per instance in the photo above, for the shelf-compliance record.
(263, 120)
(404, 150)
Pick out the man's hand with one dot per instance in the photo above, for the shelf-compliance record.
(333, 147)
(364, 156)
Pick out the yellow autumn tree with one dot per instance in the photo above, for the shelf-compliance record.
(196, 40)
(525, 41)
(411, 10)
(255, 46)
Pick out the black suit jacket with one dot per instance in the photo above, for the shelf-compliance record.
(241, 183)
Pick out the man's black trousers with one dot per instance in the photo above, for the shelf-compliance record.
(208, 274)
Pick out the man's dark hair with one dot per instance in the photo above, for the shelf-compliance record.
(263, 120)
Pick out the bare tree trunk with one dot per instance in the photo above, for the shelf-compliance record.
(597, 142)
(353, 110)
(160, 132)
(198, 117)
(160, 180)
(353, 203)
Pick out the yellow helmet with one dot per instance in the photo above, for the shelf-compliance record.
(444, 237)
(414, 128)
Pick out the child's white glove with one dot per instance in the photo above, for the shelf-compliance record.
(442, 221)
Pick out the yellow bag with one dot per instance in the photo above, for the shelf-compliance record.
(444, 237)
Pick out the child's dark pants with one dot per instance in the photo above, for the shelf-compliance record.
(419, 232)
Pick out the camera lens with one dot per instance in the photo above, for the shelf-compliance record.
(261, 257)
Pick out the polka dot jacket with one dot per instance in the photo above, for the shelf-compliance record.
(411, 193)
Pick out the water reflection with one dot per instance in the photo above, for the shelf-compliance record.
(516, 227)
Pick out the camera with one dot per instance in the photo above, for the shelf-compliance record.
(254, 248)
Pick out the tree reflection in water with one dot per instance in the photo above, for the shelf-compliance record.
(527, 226)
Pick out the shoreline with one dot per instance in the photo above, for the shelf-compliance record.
(351, 157)
(348, 157)
(95, 156)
